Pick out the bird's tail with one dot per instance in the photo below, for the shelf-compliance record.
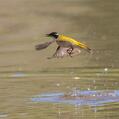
(84, 46)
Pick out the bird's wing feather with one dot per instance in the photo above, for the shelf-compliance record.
(43, 45)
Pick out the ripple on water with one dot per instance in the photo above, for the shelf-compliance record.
(77, 97)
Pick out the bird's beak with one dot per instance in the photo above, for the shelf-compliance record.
(47, 35)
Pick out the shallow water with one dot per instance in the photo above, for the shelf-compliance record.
(29, 82)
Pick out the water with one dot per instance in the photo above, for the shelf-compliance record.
(27, 76)
(86, 93)
(79, 98)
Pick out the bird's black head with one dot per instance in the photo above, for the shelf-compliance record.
(53, 34)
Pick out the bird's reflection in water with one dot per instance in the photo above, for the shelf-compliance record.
(78, 97)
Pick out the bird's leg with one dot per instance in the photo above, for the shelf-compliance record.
(56, 51)
(54, 55)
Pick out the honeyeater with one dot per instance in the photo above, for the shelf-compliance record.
(66, 46)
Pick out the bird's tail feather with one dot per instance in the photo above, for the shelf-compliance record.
(84, 47)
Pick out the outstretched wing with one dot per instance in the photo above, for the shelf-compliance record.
(43, 45)
(63, 51)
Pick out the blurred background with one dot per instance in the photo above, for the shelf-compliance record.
(24, 23)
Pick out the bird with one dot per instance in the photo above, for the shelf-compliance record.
(67, 46)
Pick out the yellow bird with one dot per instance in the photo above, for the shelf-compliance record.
(66, 46)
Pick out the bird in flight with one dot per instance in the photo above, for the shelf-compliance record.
(66, 46)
